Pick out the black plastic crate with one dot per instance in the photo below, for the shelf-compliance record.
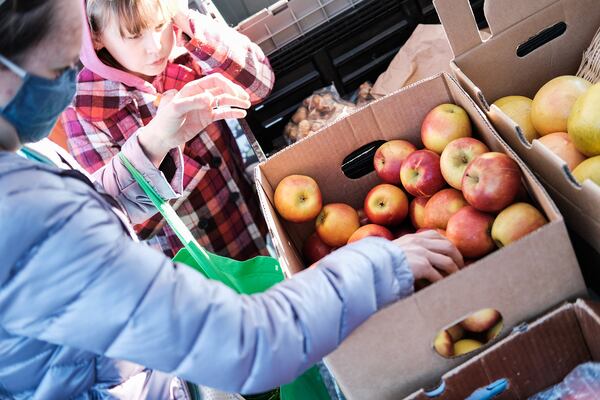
(351, 48)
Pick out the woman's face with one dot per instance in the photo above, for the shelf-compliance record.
(49, 58)
(144, 55)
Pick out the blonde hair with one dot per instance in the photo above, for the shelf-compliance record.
(132, 16)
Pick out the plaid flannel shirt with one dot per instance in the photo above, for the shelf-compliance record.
(217, 203)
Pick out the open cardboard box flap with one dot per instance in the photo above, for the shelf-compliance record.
(533, 357)
(391, 355)
(491, 69)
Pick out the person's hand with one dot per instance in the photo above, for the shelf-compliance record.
(180, 16)
(428, 253)
(182, 115)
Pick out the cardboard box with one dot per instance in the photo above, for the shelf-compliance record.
(491, 69)
(533, 357)
(391, 355)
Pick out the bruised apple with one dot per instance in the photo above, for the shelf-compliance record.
(421, 175)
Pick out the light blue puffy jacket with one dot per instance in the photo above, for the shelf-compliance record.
(88, 313)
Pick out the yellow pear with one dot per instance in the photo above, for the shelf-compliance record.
(465, 346)
(494, 332)
(584, 122)
(589, 169)
(552, 104)
(443, 344)
(518, 108)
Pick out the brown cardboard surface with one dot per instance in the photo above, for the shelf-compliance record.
(588, 314)
(531, 359)
(424, 54)
(491, 69)
(379, 360)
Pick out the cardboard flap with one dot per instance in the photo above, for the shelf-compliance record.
(502, 14)
(459, 23)
(588, 313)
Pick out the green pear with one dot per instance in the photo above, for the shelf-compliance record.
(584, 122)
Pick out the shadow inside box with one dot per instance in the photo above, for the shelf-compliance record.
(589, 261)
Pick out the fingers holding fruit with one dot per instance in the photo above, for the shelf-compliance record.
(429, 255)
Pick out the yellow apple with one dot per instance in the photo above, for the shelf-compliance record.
(494, 332)
(589, 169)
(443, 344)
(584, 122)
(336, 223)
(442, 125)
(465, 346)
(518, 108)
(481, 320)
(552, 104)
(298, 198)
(516, 221)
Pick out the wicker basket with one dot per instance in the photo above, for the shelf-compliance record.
(590, 65)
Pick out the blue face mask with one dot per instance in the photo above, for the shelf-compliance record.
(38, 103)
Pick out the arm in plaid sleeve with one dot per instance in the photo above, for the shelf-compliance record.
(219, 48)
(97, 152)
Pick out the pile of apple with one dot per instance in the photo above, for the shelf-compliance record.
(470, 334)
(456, 186)
(564, 116)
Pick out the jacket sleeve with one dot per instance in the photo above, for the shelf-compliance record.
(79, 282)
(216, 47)
(96, 151)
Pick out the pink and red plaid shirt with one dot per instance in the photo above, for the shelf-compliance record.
(217, 203)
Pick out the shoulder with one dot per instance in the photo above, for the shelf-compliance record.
(98, 99)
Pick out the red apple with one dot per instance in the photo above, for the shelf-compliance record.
(457, 156)
(416, 211)
(444, 124)
(371, 230)
(314, 249)
(441, 206)
(420, 173)
(389, 157)
(298, 198)
(491, 182)
(386, 204)
(470, 231)
(336, 223)
(516, 221)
